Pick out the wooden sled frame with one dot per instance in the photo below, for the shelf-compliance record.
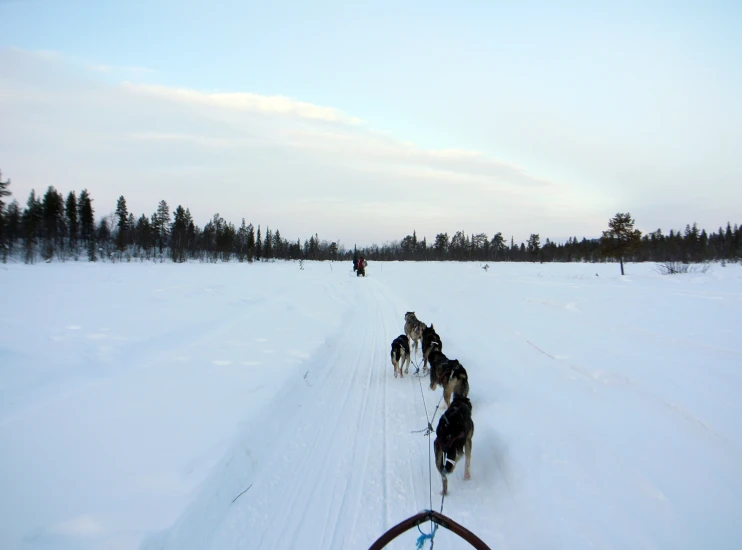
(422, 517)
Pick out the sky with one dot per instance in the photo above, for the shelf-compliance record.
(364, 123)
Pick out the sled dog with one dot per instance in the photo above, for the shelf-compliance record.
(450, 374)
(453, 439)
(413, 328)
(429, 336)
(400, 354)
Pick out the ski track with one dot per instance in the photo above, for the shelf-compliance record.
(346, 447)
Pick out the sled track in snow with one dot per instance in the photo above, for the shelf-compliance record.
(337, 463)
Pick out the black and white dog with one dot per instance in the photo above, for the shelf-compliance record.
(400, 354)
(429, 337)
(454, 439)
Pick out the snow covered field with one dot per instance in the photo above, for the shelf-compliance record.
(138, 400)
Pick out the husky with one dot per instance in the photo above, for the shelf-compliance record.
(429, 337)
(450, 374)
(454, 439)
(413, 328)
(400, 354)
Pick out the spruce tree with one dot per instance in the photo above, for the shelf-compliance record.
(179, 234)
(497, 245)
(12, 226)
(250, 243)
(73, 225)
(258, 246)
(104, 238)
(534, 246)
(4, 192)
(191, 231)
(87, 224)
(144, 234)
(242, 242)
(53, 220)
(268, 246)
(163, 224)
(277, 245)
(122, 214)
(441, 245)
(32, 221)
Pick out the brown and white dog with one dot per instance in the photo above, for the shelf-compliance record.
(413, 328)
(449, 373)
(454, 439)
(400, 354)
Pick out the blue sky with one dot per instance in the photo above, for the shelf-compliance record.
(365, 122)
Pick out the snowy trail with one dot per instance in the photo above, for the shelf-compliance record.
(337, 462)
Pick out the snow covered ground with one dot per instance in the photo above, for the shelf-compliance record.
(138, 400)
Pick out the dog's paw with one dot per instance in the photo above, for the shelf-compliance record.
(467, 475)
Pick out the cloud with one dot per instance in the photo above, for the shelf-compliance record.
(110, 69)
(241, 101)
(84, 525)
(276, 161)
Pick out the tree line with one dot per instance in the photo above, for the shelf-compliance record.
(692, 245)
(65, 227)
(55, 226)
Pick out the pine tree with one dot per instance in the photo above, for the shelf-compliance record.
(178, 232)
(144, 234)
(87, 223)
(32, 221)
(53, 220)
(277, 245)
(3, 191)
(191, 234)
(497, 245)
(122, 214)
(242, 241)
(534, 246)
(73, 225)
(621, 239)
(268, 246)
(162, 227)
(250, 242)
(4, 245)
(12, 227)
(131, 230)
(441, 245)
(103, 236)
(258, 246)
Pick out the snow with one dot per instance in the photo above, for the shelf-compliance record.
(137, 401)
